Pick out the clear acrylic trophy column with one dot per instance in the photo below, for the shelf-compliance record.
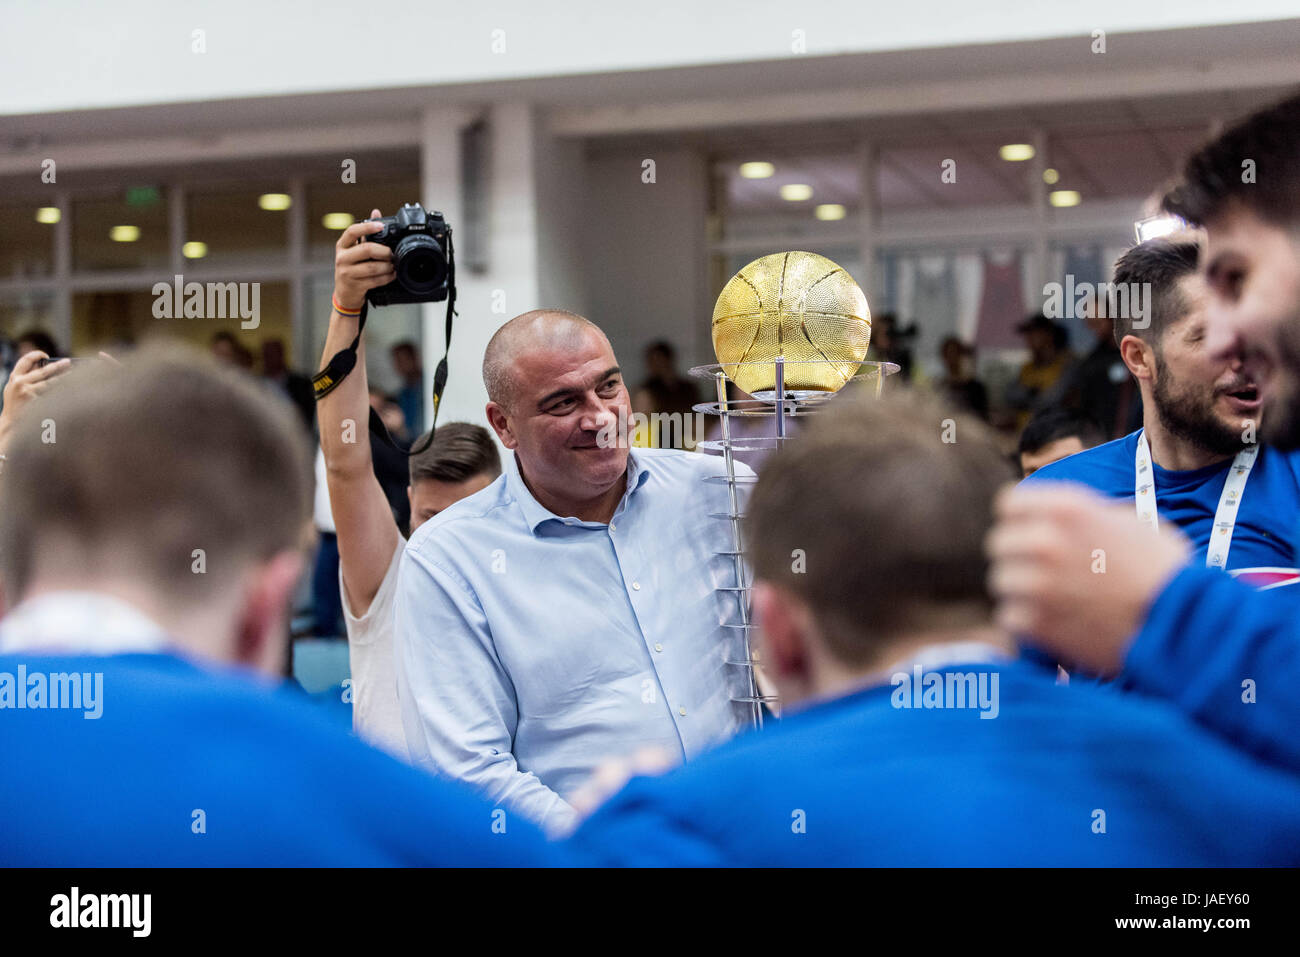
(764, 405)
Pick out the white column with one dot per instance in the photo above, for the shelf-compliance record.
(510, 283)
(868, 215)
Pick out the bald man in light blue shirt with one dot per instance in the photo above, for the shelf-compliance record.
(573, 610)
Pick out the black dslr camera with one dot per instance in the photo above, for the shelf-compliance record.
(422, 255)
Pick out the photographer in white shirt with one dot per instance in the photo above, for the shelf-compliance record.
(462, 459)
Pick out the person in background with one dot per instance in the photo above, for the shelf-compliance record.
(572, 609)
(1100, 386)
(1196, 460)
(405, 357)
(26, 382)
(228, 349)
(389, 458)
(295, 385)
(889, 344)
(37, 340)
(461, 460)
(666, 392)
(888, 663)
(1042, 380)
(1168, 627)
(959, 383)
(148, 609)
(1053, 435)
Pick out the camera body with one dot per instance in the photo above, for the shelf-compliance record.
(421, 245)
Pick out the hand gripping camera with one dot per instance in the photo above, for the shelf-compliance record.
(422, 256)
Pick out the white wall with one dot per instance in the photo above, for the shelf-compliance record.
(645, 261)
(73, 54)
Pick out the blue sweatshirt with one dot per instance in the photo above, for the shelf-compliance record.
(1265, 536)
(1061, 776)
(1228, 656)
(188, 767)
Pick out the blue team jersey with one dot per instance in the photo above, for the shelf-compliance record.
(1264, 540)
(177, 766)
(1063, 775)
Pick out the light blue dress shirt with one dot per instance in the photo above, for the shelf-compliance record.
(531, 647)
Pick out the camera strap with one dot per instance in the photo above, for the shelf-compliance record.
(344, 361)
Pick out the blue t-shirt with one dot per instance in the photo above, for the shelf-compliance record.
(1264, 540)
(188, 767)
(1062, 775)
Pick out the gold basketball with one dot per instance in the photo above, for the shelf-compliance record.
(798, 305)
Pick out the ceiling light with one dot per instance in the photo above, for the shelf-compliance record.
(829, 211)
(336, 220)
(124, 234)
(757, 170)
(1051, 177)
(274, 202)
(1016, 152)
(1064, 197)
(796, 192)
(194, 250)
(48, 214)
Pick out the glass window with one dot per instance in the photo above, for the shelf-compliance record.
(239, 226)
(351, 202)
(21, 312)
(127, 231)
(27, 241)
(112, 319)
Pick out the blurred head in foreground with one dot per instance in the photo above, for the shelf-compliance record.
(170, 482)
(866, 536)
(1244, 188)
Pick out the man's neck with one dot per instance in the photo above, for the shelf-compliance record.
(1171, 452)
(835, 680)
(598, 509)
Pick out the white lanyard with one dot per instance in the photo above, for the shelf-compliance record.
(1225, 519)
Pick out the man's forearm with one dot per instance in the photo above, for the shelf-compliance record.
(1227, 655)
(344, 414)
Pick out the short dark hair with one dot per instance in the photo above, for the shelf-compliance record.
(877, 523)
(459, 451)
(663, 347)
(165, 453)
(407, 346)
(42, 340)
(1156, 265)
(1052, 425)
(1214, 174)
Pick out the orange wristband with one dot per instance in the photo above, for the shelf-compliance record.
(350, 313)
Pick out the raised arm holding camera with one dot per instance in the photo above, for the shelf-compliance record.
(463, 460)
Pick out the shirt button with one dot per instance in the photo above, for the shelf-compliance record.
(613, 527)
(682, 712)
(636, 586)
(658, 647)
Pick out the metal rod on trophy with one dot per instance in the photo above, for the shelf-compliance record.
(780, 400)
(737, 559)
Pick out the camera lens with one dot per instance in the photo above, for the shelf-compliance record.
(420, 264)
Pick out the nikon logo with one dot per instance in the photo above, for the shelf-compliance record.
(213, 300)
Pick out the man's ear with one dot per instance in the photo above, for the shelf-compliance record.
(496, 417)
(782, 622)
(262, 628)
(1139, 357)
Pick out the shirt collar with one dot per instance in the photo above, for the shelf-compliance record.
(535, 514)
(79, 622)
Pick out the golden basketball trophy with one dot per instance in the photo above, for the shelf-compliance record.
(791, 329)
